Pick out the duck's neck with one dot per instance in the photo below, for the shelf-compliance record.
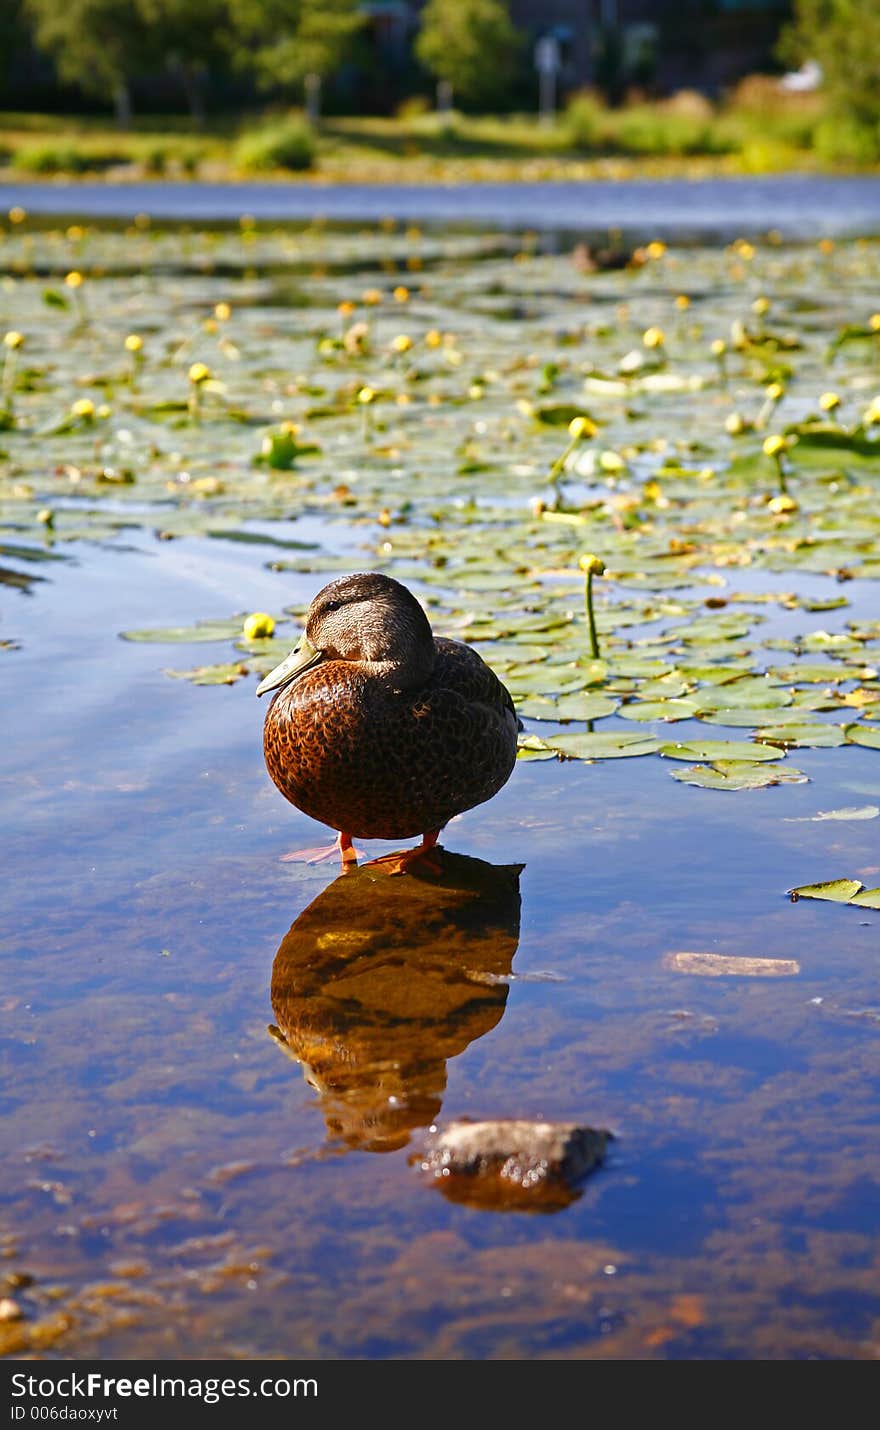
(402, 673)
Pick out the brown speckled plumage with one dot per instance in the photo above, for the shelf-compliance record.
(393, 731)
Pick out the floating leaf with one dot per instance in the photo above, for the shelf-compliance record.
(219, 630)
(803, 736)
(585, 707)
(867, 735)
(602, 746)
(864, 811)
(738, 775)
(210, 674)
(714, 750)
(867, 899)
(747, 717)
(659, 710)
(837, 891)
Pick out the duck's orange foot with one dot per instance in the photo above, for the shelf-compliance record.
(343, 847)
(426, 855)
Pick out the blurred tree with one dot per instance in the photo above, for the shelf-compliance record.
(469, 45)
(99, 45)
(286, 40)
(189, 37)
(843, 36)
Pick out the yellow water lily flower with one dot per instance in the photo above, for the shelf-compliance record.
(258, 626)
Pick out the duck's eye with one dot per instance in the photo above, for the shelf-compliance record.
(332, 605)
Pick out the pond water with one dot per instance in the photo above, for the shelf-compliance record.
(796, 205)
(219, 1067)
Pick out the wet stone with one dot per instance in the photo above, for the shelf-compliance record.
(513, 1164)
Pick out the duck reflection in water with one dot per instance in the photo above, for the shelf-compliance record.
(381, 980)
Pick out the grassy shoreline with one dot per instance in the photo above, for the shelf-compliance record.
(585, 142)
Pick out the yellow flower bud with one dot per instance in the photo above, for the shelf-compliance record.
(401, 294)
(133, 343)
(345, 308)
(433, 338)
(581, 427)
(13, 339)
(828, 401)
(402, 343)
(774, 446)
(610, 461)
(655, 249)
(367, 395)
(653, 337)
(774, 391)
(682, 302)
(783, 505)
(84, 408)
(222, 312)
(258, 626)
(734, 424)
(74, 279)
(199, 372)
(592, 565)
(17, 214)
(371, 297)
(719, 347)
(761, 306)
(874, 322)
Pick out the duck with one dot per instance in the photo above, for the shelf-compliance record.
(381, 729)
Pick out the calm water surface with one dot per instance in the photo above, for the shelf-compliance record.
(218, 1066)
(798, 206)
(176, 1186)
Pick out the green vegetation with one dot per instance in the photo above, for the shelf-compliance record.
(758, 129)
(289, 144)
(502, 443)
(843, 36)
(471, 45)
(287, 40)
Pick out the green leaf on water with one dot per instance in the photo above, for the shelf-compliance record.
(738, 775)
(53, 299)
(659, 710)
(867, 735)
(585, 707)
(713, 750)
(204, 631)
(743, 717)
(559, 414)
(602, 746)
(803, 736)
(867, 899)
(864, 811)
(210, 674)
(837, 891)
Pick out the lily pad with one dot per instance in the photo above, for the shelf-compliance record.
(867, 735)
(659, 710)
(712, 750)
(204, 632)
(803, 736)
(738, 775)
(211, 674)
(602, 746)
(837, 891)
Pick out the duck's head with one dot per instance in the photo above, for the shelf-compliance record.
(367, 619)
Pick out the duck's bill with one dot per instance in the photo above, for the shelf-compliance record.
(300, 660)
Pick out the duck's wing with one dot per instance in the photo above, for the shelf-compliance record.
(460, 668)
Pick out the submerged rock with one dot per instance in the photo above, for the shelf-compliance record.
(513, 1164)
